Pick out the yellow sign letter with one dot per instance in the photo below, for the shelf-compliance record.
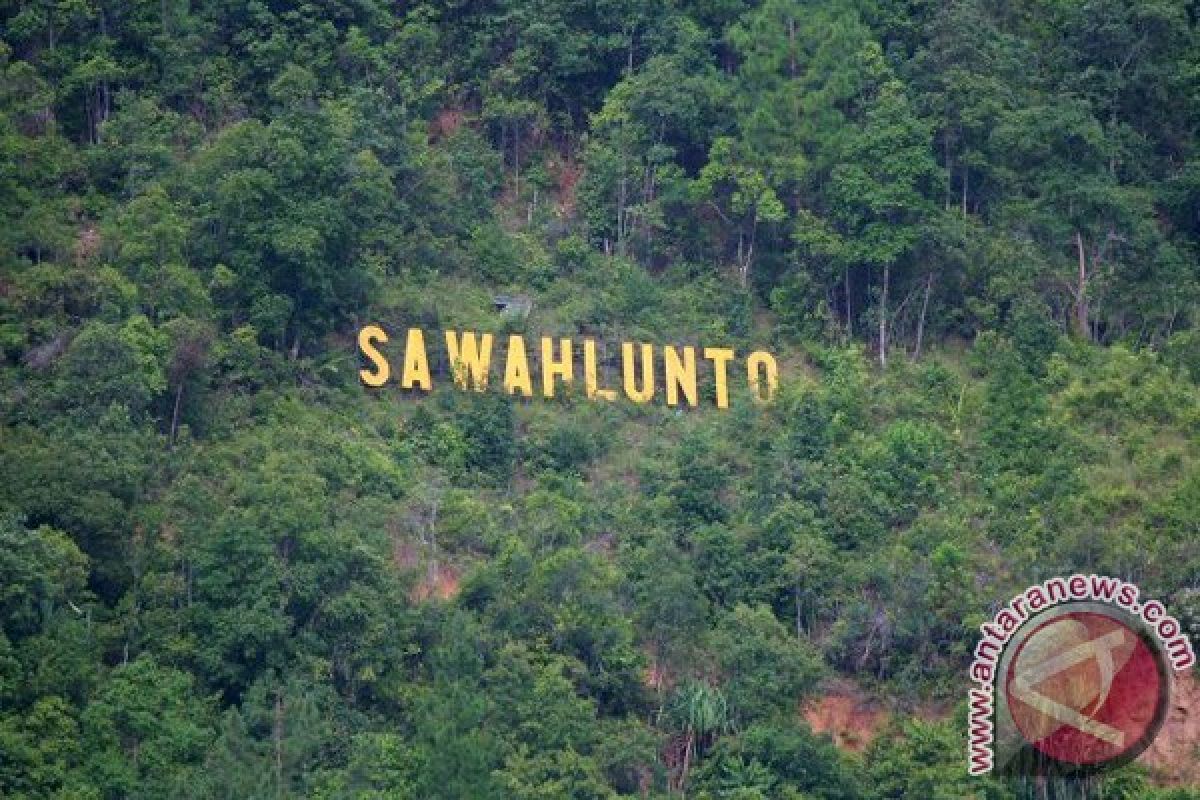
(760, 361)
(551, 368)
(680, 375)
(416, 363)
(366, 338)
(516, 368)
(635, 394)
(591, 383)
(471, 358)
(720, 356)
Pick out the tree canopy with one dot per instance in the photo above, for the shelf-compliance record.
(970, 230)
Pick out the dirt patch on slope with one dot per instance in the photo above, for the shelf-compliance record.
(445, 123)
(440, 583)
(87, 245)
(566, 172)
(853, 719)
(1174, 756)
(848, 715)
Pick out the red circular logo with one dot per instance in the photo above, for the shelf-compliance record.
(1085, 688)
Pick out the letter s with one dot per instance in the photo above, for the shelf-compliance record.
(366, 338)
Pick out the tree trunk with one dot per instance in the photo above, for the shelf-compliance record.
(883, 300)
(949, 169)
(687, 758)
(277, 740)
(792, 47)
(799, 611)
(622, 189)
(1081, 304)
(745, 259)
(517, 161)
(921, 319)
(744, 266)
(175, 413)
(849, 323)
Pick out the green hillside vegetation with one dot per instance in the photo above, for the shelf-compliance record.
(968, 230)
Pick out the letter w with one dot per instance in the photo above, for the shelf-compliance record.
(981, 732)
(1103, 588)
(473, 358)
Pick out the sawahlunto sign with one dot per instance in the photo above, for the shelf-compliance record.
(644, 368)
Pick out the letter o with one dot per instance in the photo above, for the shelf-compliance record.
(762, 362)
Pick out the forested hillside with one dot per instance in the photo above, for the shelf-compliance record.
(970, 231)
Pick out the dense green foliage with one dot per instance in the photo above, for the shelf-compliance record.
(970, 229)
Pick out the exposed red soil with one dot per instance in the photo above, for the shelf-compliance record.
(406, 554)
(1174, 756)
(567, 173)
(848, 715)
(440, 583)
(87, 244)
(655, 675)
(437, 579)
(853, 719)
(445, 123)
